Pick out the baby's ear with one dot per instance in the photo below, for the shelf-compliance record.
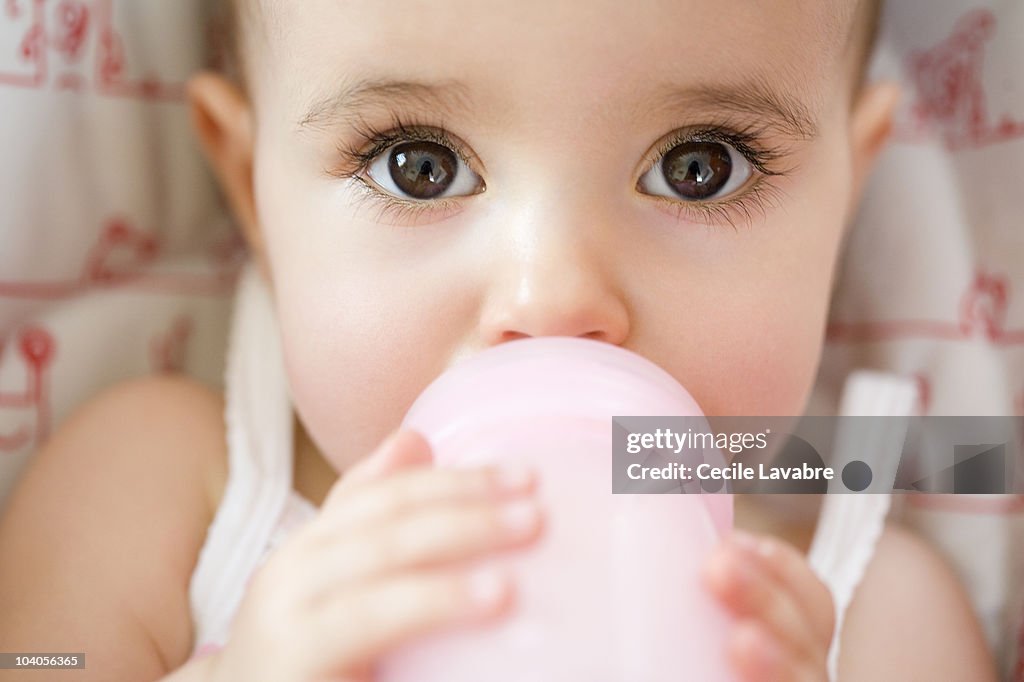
(870, 127)
(223, 122)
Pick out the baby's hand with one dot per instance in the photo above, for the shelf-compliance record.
(784, 613)
(379, 566)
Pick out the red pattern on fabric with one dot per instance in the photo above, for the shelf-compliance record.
(982, 314)
(951, 98)
(30, 403)
(167, 350)
(123, 256)
(78, 33)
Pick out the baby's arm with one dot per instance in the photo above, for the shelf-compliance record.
(910, 620)
(100, 539)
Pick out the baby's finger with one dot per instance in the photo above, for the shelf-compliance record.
(749, 590)
(757, 657)
(353, 627)
(791, 569)
(433, 536)
(368, 505)
(403, 449)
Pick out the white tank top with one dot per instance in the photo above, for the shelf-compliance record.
(260, 508)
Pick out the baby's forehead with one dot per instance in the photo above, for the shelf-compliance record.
(529, 46)
(832, 20)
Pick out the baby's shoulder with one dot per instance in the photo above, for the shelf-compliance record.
(911, 617)
(124, 491)
(172, 423)
(159, 437)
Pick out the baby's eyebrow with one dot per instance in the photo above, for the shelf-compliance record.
(754, 99)
(344, 106)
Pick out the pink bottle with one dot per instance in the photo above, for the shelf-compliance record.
(611, 592)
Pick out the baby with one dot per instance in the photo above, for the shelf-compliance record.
(418, 181)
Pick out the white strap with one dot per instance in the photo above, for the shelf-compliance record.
(258, 419)
(851, 524)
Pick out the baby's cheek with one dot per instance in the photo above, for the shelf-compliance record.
(770, 372)
(355, 366)
(751, 354)
(341, 394)
(774, 350)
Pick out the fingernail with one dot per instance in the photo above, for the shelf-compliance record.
(745, 541)
(743, 574)
(487, 587)
(521, 517)
(764, 547)
(514, 478)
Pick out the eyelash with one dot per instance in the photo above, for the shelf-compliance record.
(357, 159)
(738, 209)
(761, 195)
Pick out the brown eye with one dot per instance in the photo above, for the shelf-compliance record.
(698, 171)
(423, 170)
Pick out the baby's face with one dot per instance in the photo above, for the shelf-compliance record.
(435, 178)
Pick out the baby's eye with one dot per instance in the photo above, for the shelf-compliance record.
(698, 171)
(423, 170)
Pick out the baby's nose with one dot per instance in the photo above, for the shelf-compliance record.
(555, 288)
